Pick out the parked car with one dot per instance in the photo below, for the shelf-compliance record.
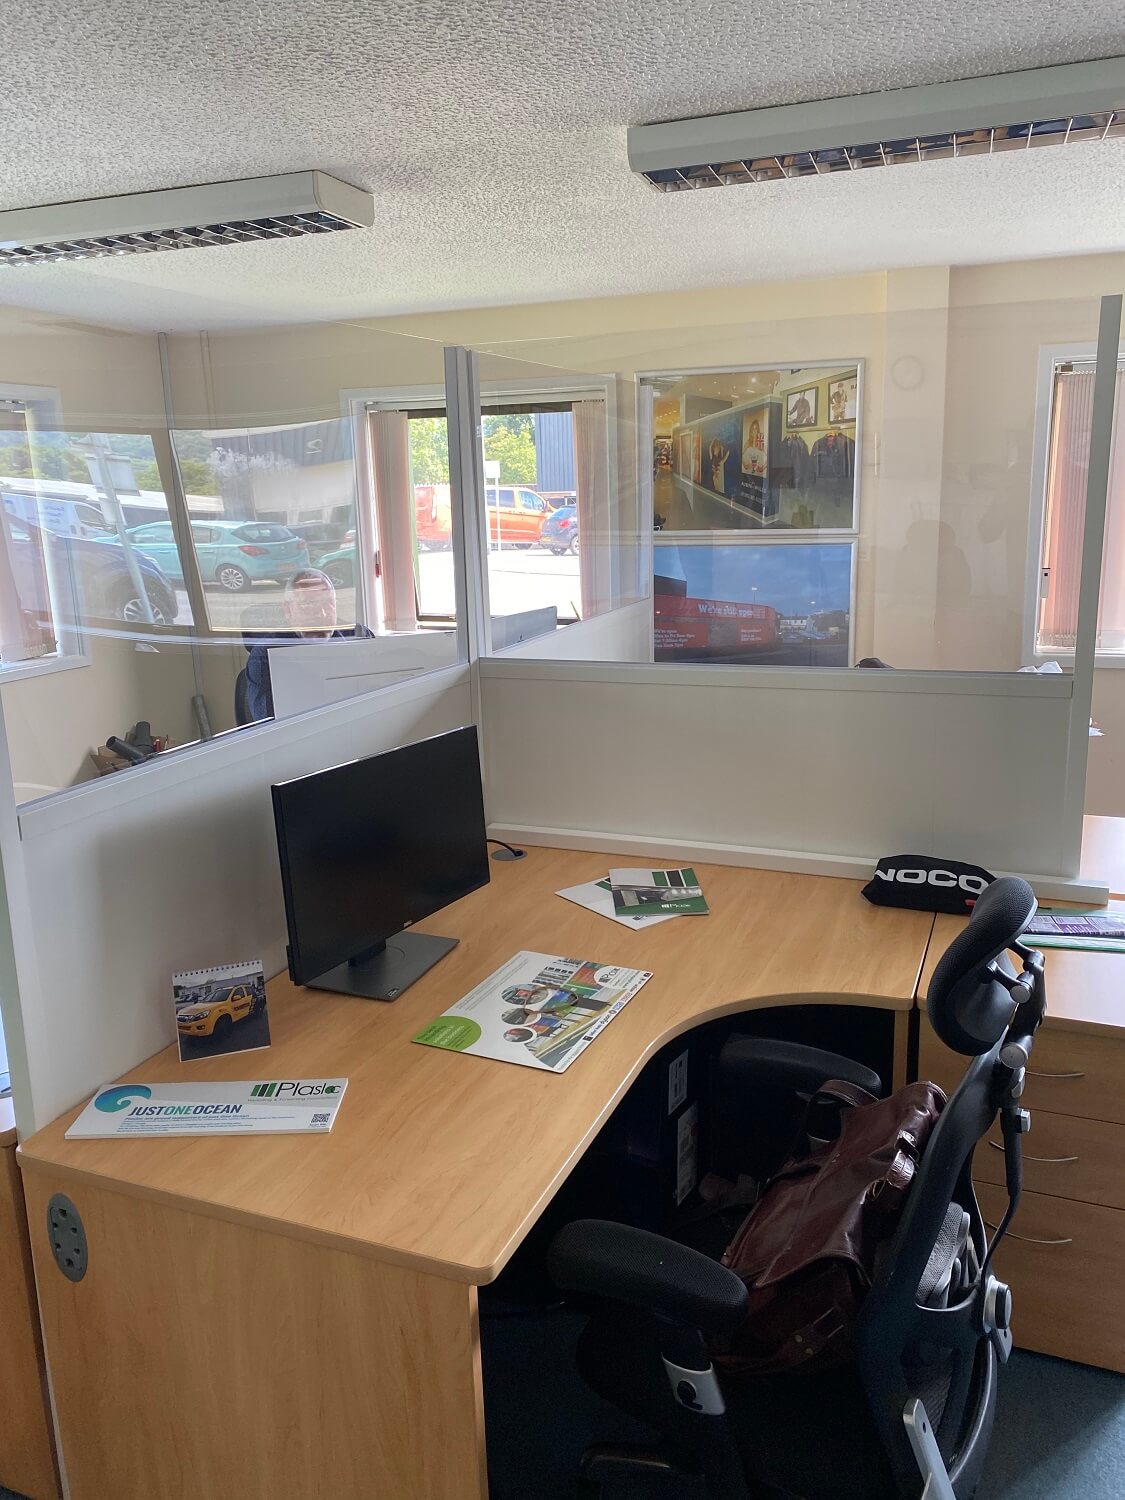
(515, 515)
(102, 580)
(340, 566)
(559, 532)
(216, 1016)
(320, 537)
(233, 554)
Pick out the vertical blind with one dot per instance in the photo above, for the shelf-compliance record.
(1067, 467)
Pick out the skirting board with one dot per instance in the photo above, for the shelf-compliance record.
(1047, 887)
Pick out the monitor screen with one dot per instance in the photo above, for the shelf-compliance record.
(371, 847)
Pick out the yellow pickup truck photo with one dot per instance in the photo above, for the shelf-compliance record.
(216, 1017)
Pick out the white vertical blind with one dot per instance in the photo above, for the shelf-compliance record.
(1066, 499)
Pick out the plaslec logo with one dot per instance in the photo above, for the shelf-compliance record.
(121, 1096)
(292, 1089)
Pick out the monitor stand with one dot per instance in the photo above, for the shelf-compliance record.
(383, 973)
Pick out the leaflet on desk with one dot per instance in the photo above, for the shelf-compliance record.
(268, 1106)
(597, 896)
(538, 1010)
(647, 892)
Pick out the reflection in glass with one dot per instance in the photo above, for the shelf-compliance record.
(264, 504)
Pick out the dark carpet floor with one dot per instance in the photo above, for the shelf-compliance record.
(1060, 1434)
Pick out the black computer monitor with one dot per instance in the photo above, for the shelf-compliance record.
(369, 848)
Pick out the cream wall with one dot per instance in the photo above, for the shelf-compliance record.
(55, 719)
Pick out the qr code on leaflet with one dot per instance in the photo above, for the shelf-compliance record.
(321, 1119)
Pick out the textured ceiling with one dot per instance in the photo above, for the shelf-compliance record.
(492, 133)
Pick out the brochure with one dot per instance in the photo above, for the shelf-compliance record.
(277, 1106)
(597, 895)
(537, 1010)
(676, 892)
(1099, 929)
(221, 1010)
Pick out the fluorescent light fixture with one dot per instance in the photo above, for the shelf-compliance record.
(975, 117)
(217, 213)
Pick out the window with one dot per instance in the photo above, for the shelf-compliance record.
(1065, 465)
(755, 494)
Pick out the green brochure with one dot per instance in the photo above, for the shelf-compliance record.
(675, 893)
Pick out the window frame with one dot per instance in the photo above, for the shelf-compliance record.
(71, 647)
(849, 536)
(358, 403)
(1051, 356)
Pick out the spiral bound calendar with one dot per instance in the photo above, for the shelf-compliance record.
(221, 1010)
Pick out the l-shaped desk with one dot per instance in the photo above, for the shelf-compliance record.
(299, 1314)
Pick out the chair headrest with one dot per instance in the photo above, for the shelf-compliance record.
(967, 1006)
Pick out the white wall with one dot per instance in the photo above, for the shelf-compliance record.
(175, 867)
(799, 770)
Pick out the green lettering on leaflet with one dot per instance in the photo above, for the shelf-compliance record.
(454, 1033)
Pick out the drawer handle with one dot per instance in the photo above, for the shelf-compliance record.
(1031, 1073)
(1049, 1161)
(1027, 1239)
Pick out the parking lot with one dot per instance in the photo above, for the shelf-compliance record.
(517, 581)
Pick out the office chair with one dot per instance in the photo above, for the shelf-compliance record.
(911, 1416)
(255, 621)
(242, 714)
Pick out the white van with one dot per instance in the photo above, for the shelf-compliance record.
(64, 514)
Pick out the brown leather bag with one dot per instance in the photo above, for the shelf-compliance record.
(806, 1250)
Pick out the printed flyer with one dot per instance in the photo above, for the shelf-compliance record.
(537, 1010)
(270, 1106)
(675, 893)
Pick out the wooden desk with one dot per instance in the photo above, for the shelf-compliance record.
(300, 1313)
(27, 1462)
(1065, 1254)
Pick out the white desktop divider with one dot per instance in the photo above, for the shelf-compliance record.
(788, 769)
(313, 674)
(621, 635)
(174, 866)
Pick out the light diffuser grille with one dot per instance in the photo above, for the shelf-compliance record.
(944, 146)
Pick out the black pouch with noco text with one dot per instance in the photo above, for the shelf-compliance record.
(919, 883)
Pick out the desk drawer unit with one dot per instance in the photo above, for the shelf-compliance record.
(1063, 1261)
(1064, 1156)
(1065, 1256)
(1071, 1072)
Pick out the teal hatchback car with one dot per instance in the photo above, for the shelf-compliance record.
(233, 554)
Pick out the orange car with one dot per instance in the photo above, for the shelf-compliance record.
(514, 515)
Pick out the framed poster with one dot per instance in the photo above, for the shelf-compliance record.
(842, 402)
(767, 604)
(801, 407)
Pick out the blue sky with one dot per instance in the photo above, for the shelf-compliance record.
(788, 576)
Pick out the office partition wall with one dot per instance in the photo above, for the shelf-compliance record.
(745, 740)
(218, 466)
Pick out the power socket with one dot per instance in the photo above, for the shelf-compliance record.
(68, 1237)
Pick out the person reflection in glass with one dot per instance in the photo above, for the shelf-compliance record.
(310, 614)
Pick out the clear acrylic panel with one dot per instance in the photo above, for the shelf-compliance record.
(202, 532)
(565, 540)
(872, 485)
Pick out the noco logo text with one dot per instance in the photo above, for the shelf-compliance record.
(112, 1101)
(946, 879)
(292, 1090)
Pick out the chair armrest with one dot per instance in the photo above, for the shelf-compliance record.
(758, 1061)
(647, 1271)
